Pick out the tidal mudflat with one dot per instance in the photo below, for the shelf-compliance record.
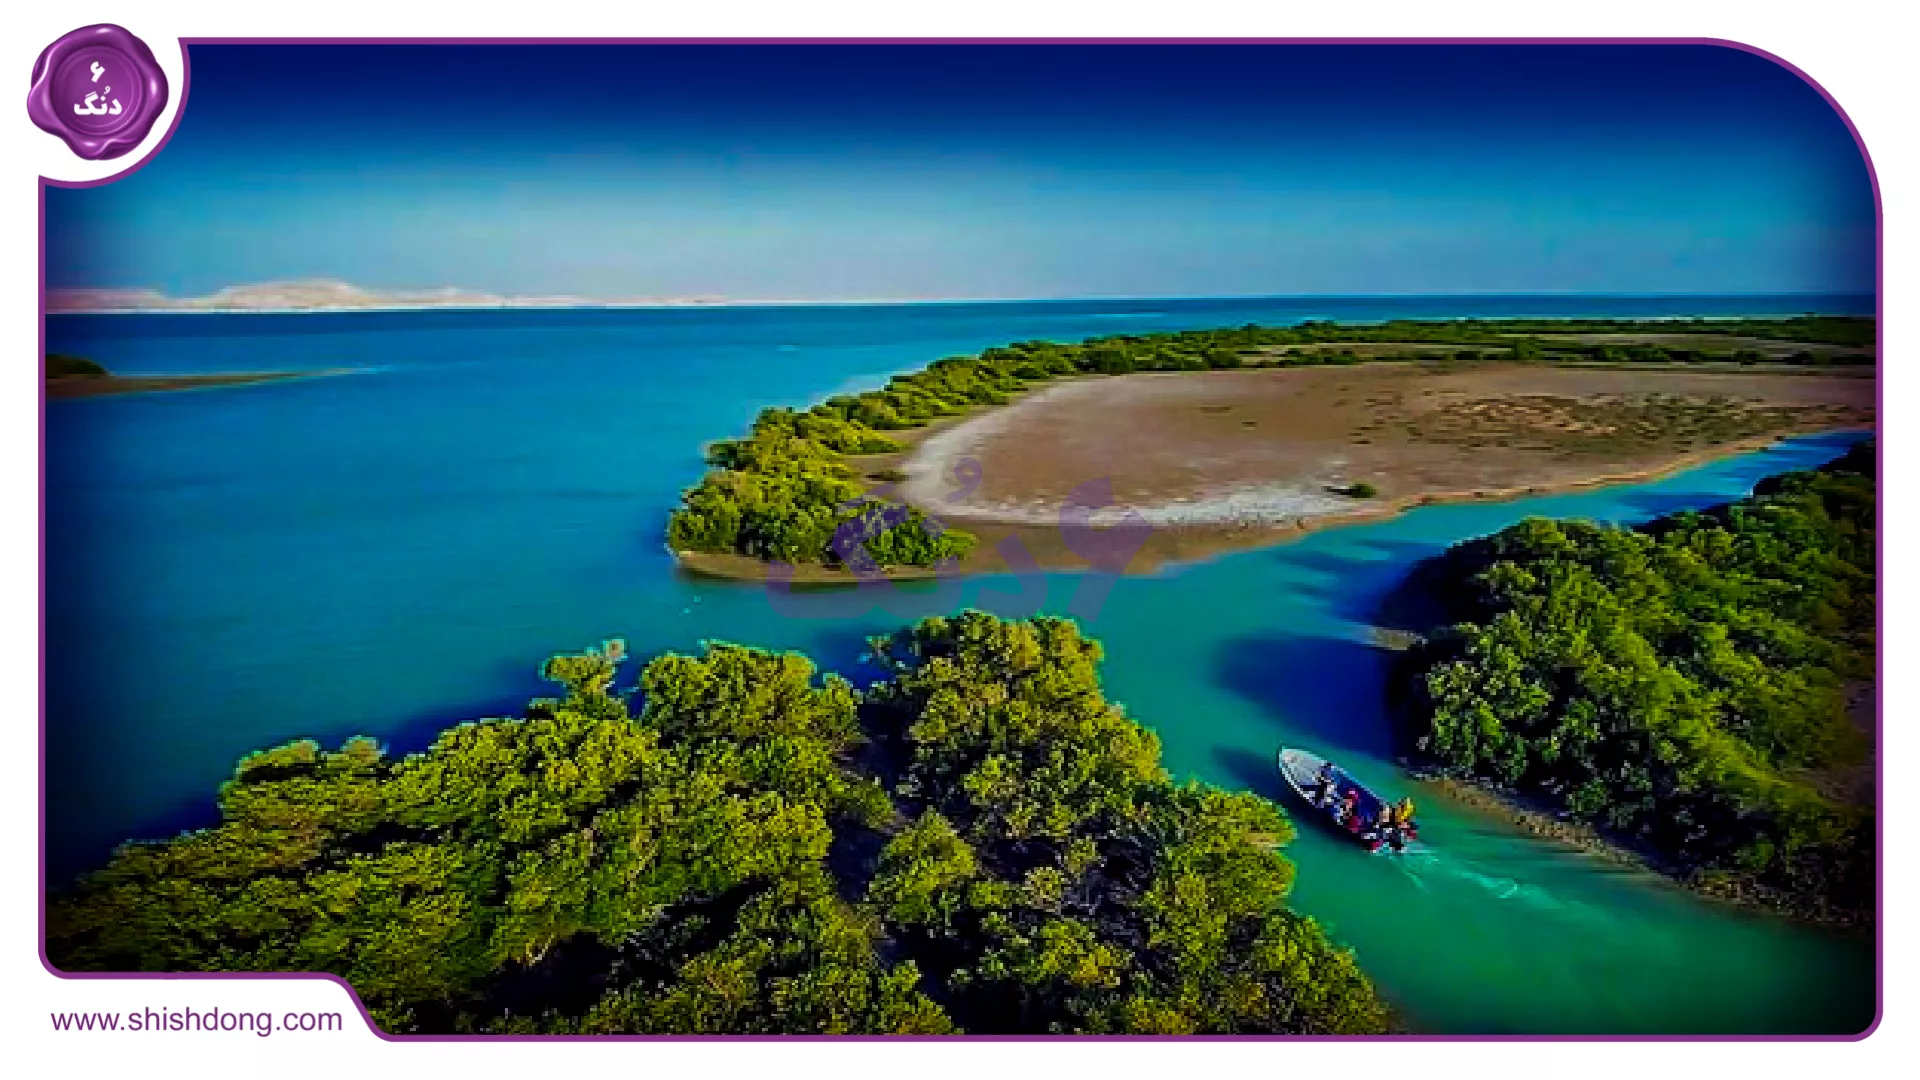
(1229, 459)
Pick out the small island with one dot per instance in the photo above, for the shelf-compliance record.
(1239, 437)
(1695, 693)
(77, 377)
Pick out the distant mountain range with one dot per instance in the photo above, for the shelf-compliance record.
(328, 296)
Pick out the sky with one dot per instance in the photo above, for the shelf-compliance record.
(845, 173)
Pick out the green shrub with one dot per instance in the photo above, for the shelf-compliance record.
(61, 366)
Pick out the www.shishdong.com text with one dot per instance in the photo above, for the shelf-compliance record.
(261, 1023)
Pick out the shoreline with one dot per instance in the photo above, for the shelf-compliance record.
(1545, 823)
(1204, 542)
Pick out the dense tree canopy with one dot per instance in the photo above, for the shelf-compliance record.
(979, 842)
(1683, 683)
(1055, 880)
(785, 492)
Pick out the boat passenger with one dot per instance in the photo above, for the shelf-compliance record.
(1393, 826)
(1380, 823)
(1325, 785)
(1353, 816)
(1404, 827)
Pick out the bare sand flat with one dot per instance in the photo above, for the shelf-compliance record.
(1216, 460)
(110, 385)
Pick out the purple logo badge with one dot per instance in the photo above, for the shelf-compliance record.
(100, 89)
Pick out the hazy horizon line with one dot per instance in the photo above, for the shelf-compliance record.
(328, 295)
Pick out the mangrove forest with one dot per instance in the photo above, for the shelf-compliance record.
(1699, 686)
(734, 843)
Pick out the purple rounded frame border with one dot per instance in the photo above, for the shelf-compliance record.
(1879, 697)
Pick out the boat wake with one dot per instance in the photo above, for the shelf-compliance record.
(1421, 864)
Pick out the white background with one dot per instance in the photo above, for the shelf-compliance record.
(1860, 52)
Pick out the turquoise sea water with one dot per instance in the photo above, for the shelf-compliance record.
(394, 551)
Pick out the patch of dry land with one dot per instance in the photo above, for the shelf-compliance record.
(107, 385)
(1225, 459)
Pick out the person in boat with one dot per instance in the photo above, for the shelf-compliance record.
(1392, 826)
(1349, 807)
(1325, 785)
(1352, 816)
(1381, 826)
(1396, 823)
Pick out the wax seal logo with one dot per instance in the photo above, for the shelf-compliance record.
(100, 89)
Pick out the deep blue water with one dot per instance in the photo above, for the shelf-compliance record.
(394, 551)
